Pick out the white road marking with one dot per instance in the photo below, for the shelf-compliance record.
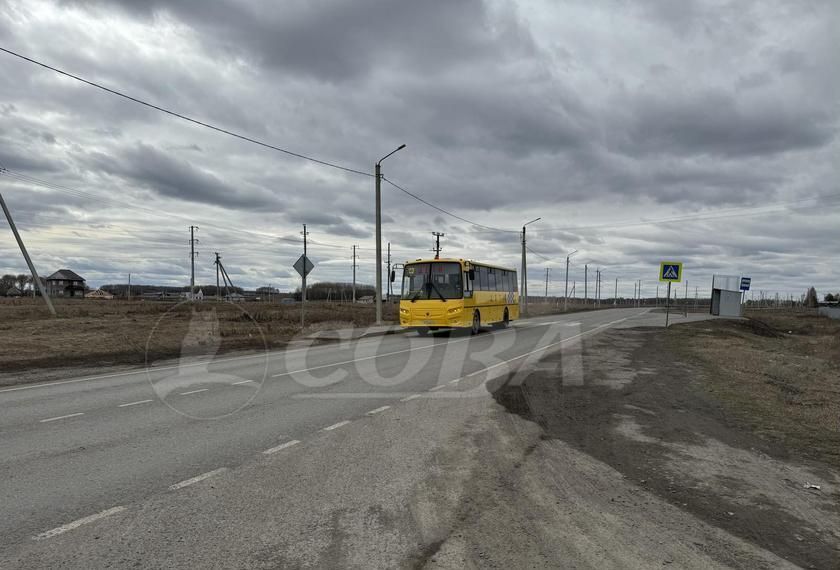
(424, 347)
(62, 417)
(436, 388)
(281, 447)
(242, 382)
(194, 391)
(541, 349)
(378, 410)
(269, 355)
(196, 479)
(455, 381)
(412, 397)
(77, 523)
(336, 426)
(134, 403)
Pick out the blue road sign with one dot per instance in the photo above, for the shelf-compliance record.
(745, 283)
(670, 271)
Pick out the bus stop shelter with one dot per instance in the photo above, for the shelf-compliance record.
(726, 296)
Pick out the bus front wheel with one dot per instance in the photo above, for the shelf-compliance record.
(476, 323)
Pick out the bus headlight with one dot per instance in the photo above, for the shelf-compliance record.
(403, 311)
(455, 310)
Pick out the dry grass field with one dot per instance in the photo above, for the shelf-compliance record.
(777, 373)
(92, 332)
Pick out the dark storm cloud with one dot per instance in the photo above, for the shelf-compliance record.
(334, 40)
(716, 123)
(582, 113)
(150, 167)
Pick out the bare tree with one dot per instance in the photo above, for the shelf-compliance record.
(22, 280)
(6, 283)
(811, 298)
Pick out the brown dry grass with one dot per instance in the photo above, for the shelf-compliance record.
(777, 373)
(89, 332)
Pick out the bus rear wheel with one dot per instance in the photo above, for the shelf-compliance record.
(476, 323)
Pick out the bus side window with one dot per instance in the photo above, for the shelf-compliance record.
(501, 282)
(491, 279)
(515, 282)
(505, 280)
(482, 272)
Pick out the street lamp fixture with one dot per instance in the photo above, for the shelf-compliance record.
(379, 234)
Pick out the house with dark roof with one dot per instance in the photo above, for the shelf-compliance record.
(65, 283)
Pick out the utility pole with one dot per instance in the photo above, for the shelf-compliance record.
(218, 291)
(303, 289)
(546, 283)
(585, 283)
(129, 286)
(634, 293)
(615, 296)
(388, 276)
(685, 300)
(22, 247)
(437, 235)
(598, 287)
(193, 253)
(354, 273)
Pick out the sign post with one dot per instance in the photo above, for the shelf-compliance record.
(304, 267)
(745, 286)
(670, 272)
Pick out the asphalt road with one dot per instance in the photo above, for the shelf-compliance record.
(76, 450)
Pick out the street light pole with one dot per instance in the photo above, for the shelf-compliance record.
(523, 292)
(378, 175)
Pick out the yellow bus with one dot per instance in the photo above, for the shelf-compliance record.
(457, 293)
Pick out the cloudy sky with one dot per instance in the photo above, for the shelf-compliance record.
(705, 132)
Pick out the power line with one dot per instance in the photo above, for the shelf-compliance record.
(538, 254)
(186, 118)
(713, 215)
(448, 213)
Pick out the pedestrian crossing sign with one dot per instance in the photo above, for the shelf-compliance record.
(670, 271)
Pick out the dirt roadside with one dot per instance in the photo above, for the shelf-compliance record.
(722, 420)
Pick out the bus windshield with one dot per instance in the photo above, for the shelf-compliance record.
(437, 280)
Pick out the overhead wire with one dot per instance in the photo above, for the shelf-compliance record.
(185, 117)
(447, 212)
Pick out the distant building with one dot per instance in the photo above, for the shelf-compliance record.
(235, 297)
(65, 283)
(12, 292)
(367, 299)
(98, 294)
(197, 296)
